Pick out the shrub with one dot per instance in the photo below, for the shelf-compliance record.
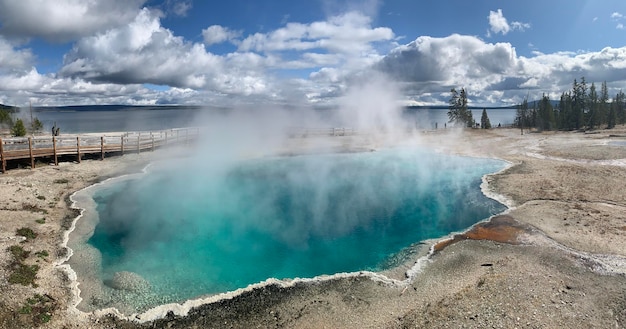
(61, 181)
(19, 254)
(27, 233)
(42, 254)
(41, 308)
(18, 129)
(24, 274)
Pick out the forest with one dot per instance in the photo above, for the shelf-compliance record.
(580, 108)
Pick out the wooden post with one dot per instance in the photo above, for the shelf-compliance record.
(101, 147)
(166, 138)
(78, 149)
(30, 152)
(3, 160)
(122, 145)
(152, 137)
(139, 143)
(54, 150)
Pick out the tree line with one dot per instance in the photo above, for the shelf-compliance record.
(460, 114)
(18, 127)
(581, 107)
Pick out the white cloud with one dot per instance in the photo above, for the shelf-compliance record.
(619, 26)
(430, 65)
(520, 26)
(616, 15)
(499, 24)
(350, 33)
(217, 34)
(63, 20)
(180, 7)
(12, 60)
(145, 52)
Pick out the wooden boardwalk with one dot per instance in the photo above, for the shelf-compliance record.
(53, 147)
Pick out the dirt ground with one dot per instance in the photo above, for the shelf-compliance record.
(564, 268)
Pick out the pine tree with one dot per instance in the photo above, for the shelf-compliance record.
(592, 108)
(546, 120)
(603, 107)
(5, 118)
(36, 126)
(457, 108)
(18, 129)
(565, 111)
(521, 117)
(484, 120)
(620, 107)
(579, 103)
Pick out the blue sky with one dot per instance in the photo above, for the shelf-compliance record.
(70, 52)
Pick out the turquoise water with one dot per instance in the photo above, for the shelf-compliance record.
(209, 229)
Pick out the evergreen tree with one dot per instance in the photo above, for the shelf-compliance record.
(36, 126)
(593, 117)
(612, 115)
(18, 129)
(5, 118)
(579, 104)
(620, 107)
(484, 120)
(565, 111)
(546, 120)
(521, 117)
(603, 107)
(457, 108)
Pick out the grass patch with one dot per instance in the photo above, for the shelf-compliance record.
(40, 221)
(61, 181)
(42, 254)
(41, 197)
(20, 273)
(19, 254)
(33, 208)
(24, 274)
(27, 233)
(26, 309)
(40, 307)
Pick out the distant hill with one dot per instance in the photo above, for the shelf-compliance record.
(445, 107)
(86, 108)
(9, 108)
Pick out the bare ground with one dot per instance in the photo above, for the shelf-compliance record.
(568, 269)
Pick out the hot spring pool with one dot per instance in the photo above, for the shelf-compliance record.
(211, 228)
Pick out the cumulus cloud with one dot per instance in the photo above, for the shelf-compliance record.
(179, 7)
(499, 24)
(616, 15)
(64, 20)
(218, 34)
(493, 72)
(145, 52)
(349, 33)
(450, 61)
(12, 60)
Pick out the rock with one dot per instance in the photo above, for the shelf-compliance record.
(128, 281)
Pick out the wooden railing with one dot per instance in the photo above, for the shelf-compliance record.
(307, 132)
(54, 146)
